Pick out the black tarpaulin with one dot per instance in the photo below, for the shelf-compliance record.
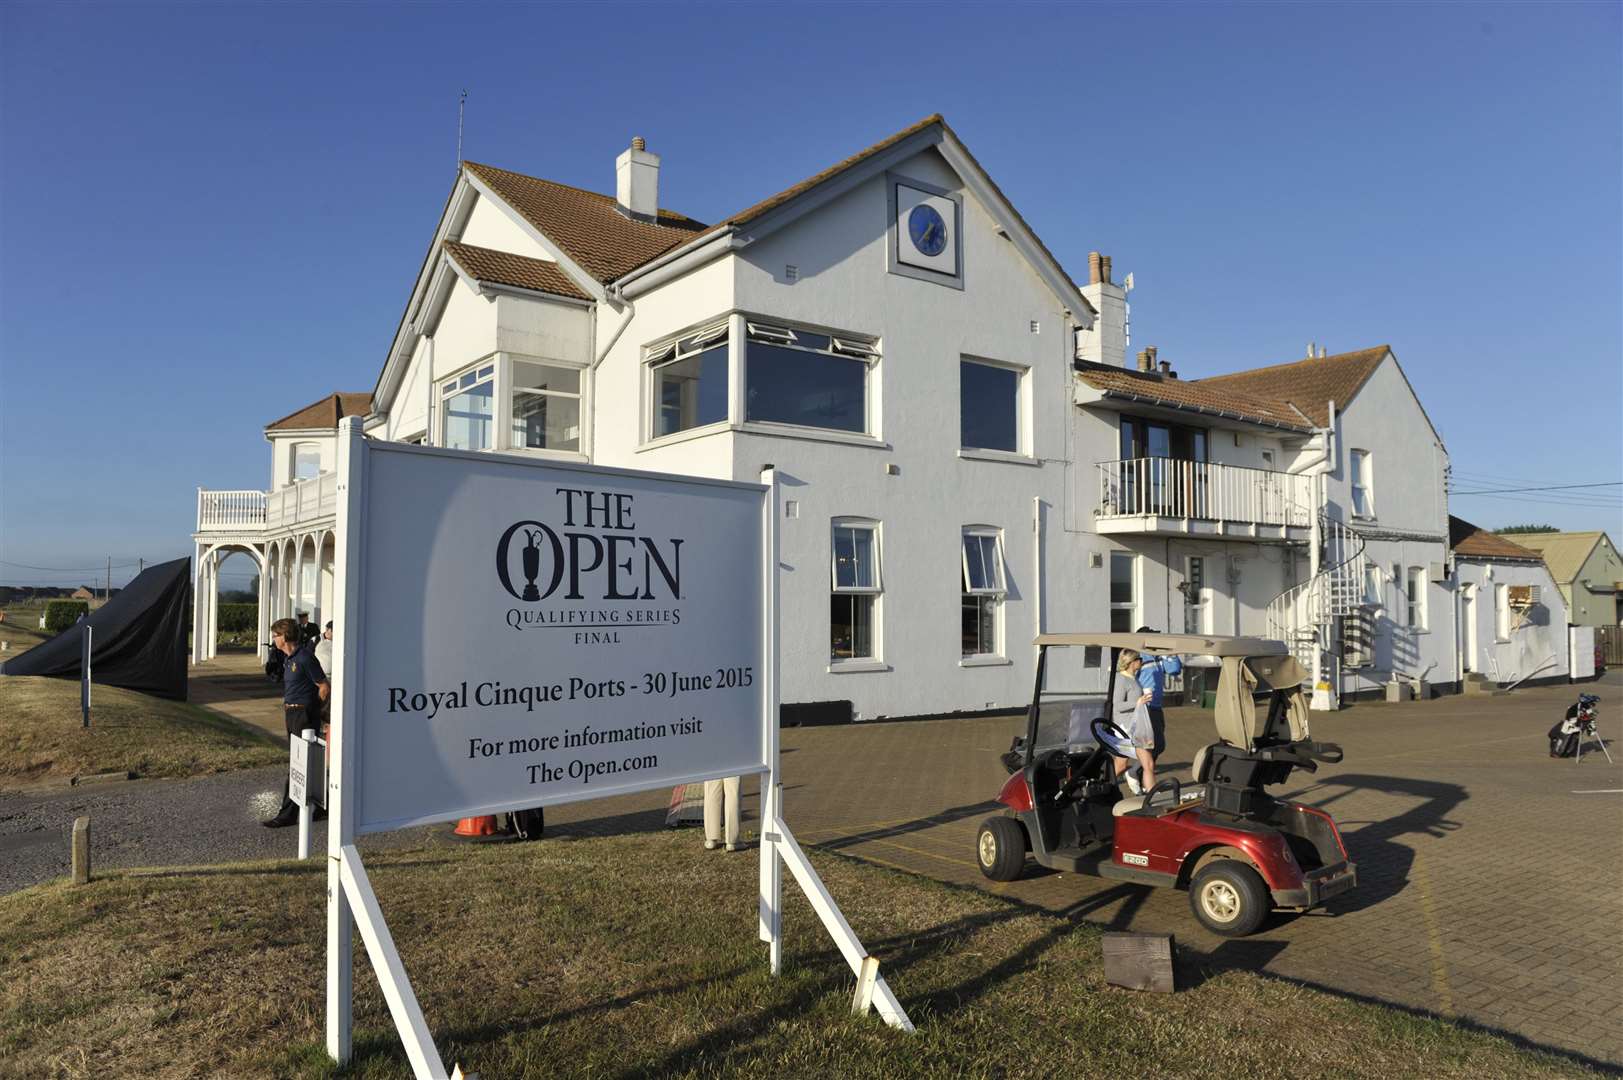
(139, 640)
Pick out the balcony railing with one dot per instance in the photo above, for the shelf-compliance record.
(256, 511)
(1204, 490)
(230, 510)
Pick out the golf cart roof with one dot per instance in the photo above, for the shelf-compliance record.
(1199, 644)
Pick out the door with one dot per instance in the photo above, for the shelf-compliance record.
(1197, 597)
(1468, 617)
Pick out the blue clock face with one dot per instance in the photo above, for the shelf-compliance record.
(926, 229)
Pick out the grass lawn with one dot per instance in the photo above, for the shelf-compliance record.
(41, 737)
(20, 630)
(637, 956)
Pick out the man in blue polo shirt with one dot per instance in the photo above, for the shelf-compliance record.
(304, 690)
(1152, 676)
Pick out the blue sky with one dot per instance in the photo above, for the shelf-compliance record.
(211, 215)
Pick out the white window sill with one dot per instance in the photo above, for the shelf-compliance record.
(856, 667)
(789, 431)
(685, 435)
(546, 455)
(970, 454)
(984, 661)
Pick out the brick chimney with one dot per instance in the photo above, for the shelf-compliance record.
(1146, 359)
(636, 181)
(1106, 342)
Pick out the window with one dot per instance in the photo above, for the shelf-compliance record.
(689, 381)
(808, 379)
(988, 407)
(1397, 587)
(1501, 612)
(1372, 585)
(306, 461)
(1195, 610)
(467, 409)
(1123, 592)
(983, 591)
(856, 587)
(1363, 501)
(546, 406)
(1415, 597)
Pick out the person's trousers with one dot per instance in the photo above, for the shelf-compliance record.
(714, 793)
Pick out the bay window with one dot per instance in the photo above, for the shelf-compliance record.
(689, 381)
(855, 591)
(983, 590)
(808, 379)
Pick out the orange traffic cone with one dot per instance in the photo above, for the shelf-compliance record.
(477, 828)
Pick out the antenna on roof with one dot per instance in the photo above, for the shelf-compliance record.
(461, 106)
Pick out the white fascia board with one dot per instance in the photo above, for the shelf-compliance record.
(496, 288)
(452, 221)
(981, 186)
(570, 266)
(675, 264)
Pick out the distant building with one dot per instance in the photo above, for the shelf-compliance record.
(1588, 571)
(1512, 618)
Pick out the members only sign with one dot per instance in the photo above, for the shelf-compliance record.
(534, 633)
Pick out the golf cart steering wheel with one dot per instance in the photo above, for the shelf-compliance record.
(1108, 725)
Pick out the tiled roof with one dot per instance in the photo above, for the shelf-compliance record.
(325, 413)
(1310, 385)
(504, 268)
(1477, 543)
(1564, 553)
(589, 227)
(1184, 394)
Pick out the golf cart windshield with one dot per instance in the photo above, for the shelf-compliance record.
(1075, 689)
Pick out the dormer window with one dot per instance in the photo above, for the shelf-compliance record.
(306, 461)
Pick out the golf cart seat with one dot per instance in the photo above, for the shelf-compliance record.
(1162, 799)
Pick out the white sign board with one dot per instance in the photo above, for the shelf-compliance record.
(534, 633)
(307, 772)
(1582, 651)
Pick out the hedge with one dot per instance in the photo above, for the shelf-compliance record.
(61, 614)
(239, 618)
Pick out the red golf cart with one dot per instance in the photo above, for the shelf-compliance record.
(1239, 851)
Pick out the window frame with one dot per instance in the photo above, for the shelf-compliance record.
(842, 345)
(1414, 598)
(993, 593)
(1133, 581)
(293, 476)
(1023, 442)
(1501, 613)
(694, 341)
(487, 369)
(1361, 478)
(872, 595)
(509, 394)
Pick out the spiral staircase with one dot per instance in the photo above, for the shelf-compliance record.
(1304, 616)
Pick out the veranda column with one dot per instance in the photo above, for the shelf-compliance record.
(296, 591)
(198, 585)
(262, 633)
(211, 642)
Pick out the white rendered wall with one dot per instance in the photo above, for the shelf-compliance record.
(491, 226)
(1539, 646)
(466, 331)
(409, 414)
(543, 329)
(1603, 568)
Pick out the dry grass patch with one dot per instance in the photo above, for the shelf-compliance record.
(42, 737)
(637, 956)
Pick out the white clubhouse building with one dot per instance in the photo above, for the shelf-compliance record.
(968, 454)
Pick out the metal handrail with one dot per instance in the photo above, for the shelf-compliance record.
(1211, 490)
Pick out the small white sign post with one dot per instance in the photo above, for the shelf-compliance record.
(517, 634)
(306, 780)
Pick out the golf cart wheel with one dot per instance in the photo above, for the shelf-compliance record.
(1000, 848)
(1229, 898)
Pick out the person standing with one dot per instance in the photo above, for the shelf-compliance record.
(1152, 676)
(323, 652)
(714, 835)
(304, 691)
(1133, 760)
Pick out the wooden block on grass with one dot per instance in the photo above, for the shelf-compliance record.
(1139, 961)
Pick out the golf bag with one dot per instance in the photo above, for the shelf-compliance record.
(1578, 723)
(274, 664)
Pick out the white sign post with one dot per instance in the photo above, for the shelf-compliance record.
(306, 780)
(516, 634)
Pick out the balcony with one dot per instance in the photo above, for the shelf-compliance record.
(259, 513)
(1169, 497)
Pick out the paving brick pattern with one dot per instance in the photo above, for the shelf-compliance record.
(1490, 876)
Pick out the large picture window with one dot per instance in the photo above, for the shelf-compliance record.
(1123, 592)
(546, 406)
(689, 381)
(800, 377)
(988, 407)
(983, 591)
(856, 588)
(467, 409)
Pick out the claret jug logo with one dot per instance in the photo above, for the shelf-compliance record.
(595, 555)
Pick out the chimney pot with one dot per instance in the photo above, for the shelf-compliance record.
(1104, 269)
(1146, 359)
(639, 143)
(1095, 267)
(1165, 366)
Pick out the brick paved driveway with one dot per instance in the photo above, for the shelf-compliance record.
(1490, 877)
